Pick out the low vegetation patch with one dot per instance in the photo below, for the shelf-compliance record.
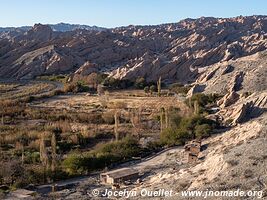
(179, 88)
(103, 156)
(187, 128)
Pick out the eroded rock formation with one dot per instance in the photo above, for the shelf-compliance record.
(176, 51)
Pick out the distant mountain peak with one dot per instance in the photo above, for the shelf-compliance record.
(60, 27)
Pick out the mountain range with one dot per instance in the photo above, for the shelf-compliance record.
(60, 27)
(174, 51)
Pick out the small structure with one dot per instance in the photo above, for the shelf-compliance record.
(192, 150)
(118, 176)
(192, 157)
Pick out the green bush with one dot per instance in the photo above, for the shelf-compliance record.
(103, 156)
(76, 87)
(173, 137)
(117, 83)
(185, 129)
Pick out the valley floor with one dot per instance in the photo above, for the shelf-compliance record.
(234, 159)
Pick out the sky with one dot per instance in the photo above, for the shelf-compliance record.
(114, 13)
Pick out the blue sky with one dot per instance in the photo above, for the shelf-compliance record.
(112, 13)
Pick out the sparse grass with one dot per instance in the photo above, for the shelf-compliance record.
(24, 90)
(81, 125)
(59, 78)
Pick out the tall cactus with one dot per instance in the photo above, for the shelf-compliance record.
(161, 119)
(196, 108)
(43, 151)
(166, 117)
(43, 155)
(116, 125)
(2, 119)
(159, 86)
(54, 152)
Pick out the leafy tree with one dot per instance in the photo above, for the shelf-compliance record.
(152, 89)
(140, 83)
(146, 89)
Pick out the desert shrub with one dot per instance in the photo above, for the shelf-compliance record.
(125, 148)
(189, 123)
(179, 88)
(61, 126)
(113, 83)
(202, 100)
(203, 130)
(94, 118)
(76, 87)
(32, 157)
(12, 108)
(174, 117)
(108, 117)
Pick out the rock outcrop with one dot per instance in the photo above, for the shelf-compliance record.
(246, 74)
(86, 69)
(195, 89)
(229, 99)
(244, 109)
